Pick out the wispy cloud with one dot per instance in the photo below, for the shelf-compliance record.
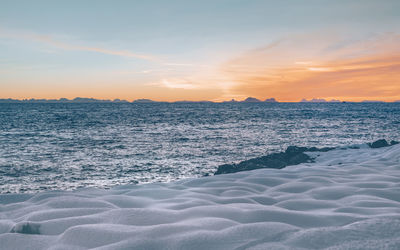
(46, 39)
(188, 83)
(195, 82)
(180, 64)
(179, 84)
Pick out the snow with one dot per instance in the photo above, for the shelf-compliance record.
(347, 199)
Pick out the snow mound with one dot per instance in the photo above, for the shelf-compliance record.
(347, 199)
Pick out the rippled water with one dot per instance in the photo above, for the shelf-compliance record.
(65, 146)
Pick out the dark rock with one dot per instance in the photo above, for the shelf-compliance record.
(394, 143)
(324, 149)
(378, 144)
(26, 228)
(292, 156)
(295, 150)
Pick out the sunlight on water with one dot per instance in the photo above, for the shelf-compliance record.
(66, 146)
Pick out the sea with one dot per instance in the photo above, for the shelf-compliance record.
(65, 146)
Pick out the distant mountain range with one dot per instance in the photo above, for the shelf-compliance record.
(373, 101)
(319, 100)
(254, 100)
(93, 100)
(61, 100)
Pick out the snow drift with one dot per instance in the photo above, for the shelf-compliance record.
(346, 199)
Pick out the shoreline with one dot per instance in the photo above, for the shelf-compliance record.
(293, 155)
(345, 198)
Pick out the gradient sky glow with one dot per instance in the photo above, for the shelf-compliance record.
(200, 50)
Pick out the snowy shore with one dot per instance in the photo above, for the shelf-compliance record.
(346, 199)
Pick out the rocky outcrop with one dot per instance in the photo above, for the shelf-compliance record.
(292, 156)
(382, 143)
(379, 144)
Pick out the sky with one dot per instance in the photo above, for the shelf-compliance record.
(200, 50)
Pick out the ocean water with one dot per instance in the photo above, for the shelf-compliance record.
(65, 146)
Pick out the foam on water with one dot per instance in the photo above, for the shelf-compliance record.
(347, 199)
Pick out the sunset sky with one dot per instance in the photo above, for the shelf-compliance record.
(200, 50)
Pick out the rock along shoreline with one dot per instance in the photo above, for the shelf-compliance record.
(293, 155)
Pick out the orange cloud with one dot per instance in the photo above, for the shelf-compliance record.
(290, 71)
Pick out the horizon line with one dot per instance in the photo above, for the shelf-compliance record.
(146, 100)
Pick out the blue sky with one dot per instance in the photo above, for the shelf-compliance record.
(167, 50)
